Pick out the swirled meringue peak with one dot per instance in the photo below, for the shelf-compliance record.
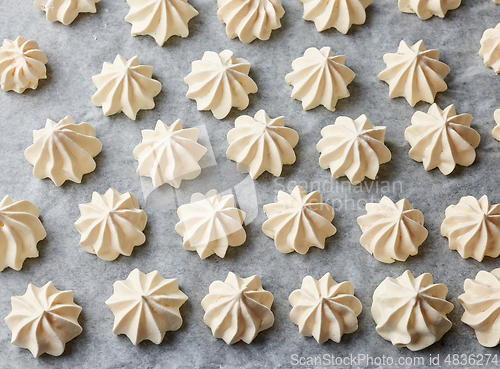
(392, 231)
(111, 224)
(496, 131)
(427, 8)
(63, 151)
(250, 19)
(299, 221)
(238, 308)
(338, 14)
(414, 73)
(442, 139)
(210, 224)
(220, 81)
(261, 144)
(146, 306)
(481, 302)
(44, 319)
(319, 78)
(353, 148)
(490, 48)
(65, 11)
(325, 309)
(20, 231)
(473, 228)
(125, 86)
(411, 312)
(169, 154)
(22, 64)
(160, 19)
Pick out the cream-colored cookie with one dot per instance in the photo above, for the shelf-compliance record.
(427, 8)
(299, 221)
(325, 309)
(490, 48)
(146, 306)
(65, 11)
(220, 81)
(442, 139)
(210, 224)
(414, 73)
(63, 151)
(353, 148)
(160, 19)
(319, 78)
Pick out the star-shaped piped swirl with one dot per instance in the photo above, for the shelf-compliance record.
(22, 64)
(210, 224)
(299, 221)
(146, 306)
(353, 148)
(427, 8)
(65, 11)
(160, 19)
(481, 302)
(261, 144)
(250, 19)
(63, 151)
(325, 309)
(44, 319)
(392, 231)
(473, 228)
(338, 14)
(442, 139)
(169, 154)
(125, 85)
(319, 78)
(20, 231)
(220, 81)
(490, 48)
(411, 312)
(496, 130)
(111, 224)
(238, 308)
(414, 73)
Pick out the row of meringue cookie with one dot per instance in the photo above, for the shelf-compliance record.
(112, 224)
(246, 20)
(410, 312)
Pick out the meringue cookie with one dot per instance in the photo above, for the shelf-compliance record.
(111, 224)
(65, 11)
(353, 148)
(411, 312)
(496, 131)
(473, 228)
(338, 14)
(481, 302)
(325, 309)
(44, 319)
(160, 19)
(319, 78)
(427, 8)
(125, 86)
(220, 81)
(442, 139)
(392, 231)
(20, 231)
(63, 151)
(169, 154)
(238, 308)
(490, 48)
(299, 221)
(146, 306)
(250, 19)
(22, 64)
(210, 224)
(261, 144)
(414, 73)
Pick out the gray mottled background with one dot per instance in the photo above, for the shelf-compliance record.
(76, 53)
